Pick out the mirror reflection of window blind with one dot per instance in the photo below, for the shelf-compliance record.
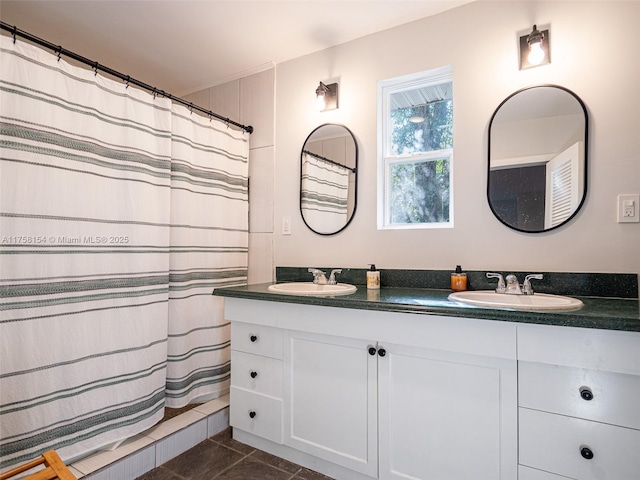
(564, 184)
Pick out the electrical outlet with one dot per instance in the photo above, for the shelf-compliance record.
(286, 225)
(629, 208)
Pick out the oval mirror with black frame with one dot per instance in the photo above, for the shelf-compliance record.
(538, 139)
(329, 179)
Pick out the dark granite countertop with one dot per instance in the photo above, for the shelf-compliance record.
(597, 312)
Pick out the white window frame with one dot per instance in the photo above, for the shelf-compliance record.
(385, 159)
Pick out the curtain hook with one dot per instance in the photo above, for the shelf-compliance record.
(127, 82)
(59, 51)
(15, 31)
(95, 69)
(190, 108)
(154, 92)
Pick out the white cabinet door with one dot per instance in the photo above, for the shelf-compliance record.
(446, 415)
(330, 399)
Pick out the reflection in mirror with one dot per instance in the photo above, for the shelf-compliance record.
(328, 179)
(538, 158)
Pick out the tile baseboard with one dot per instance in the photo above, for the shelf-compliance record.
(156, 446)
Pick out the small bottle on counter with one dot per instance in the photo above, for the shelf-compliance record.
(373, 278)
(458, 280)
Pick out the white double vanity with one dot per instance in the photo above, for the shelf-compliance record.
(368, 393)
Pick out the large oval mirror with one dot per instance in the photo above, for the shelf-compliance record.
(537, 177)
(328, 179)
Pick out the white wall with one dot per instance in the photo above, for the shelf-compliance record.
(594, 53)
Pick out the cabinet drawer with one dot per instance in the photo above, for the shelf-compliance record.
(554, 443)
(255, 373)
(591, 394)
(256, 339)
(256, 414)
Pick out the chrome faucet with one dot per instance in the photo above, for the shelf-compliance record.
(501, 288)
(512, 287)
(527, 289)
(332, 277)
(319, 277)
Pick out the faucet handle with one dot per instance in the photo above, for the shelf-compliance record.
(502, 287)
(317, 274)
(332, 277)
(527, 289)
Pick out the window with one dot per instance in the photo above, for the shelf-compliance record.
(415, 128)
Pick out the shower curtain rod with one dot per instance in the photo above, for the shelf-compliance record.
(16, 32)
(328, 160)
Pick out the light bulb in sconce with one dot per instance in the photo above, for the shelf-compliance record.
(321, 92)
(327, 96)
(534, 48)
(536, 53)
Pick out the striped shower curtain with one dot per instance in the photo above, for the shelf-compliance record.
(209, 245)
(91, 286)
(324, 188)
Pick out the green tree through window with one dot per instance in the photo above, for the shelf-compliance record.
(415, 161)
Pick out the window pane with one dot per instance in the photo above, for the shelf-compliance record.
(419, 191)
(421, 120)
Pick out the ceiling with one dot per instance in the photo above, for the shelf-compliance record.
(183, 46)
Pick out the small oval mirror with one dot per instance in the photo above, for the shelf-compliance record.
(328, 179)
(537, 178)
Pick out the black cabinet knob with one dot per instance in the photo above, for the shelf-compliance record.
(372, 351)
(586, 393)
(253, 374)
(586, 452)
(253, 338)
(382, 352)
(252, 414)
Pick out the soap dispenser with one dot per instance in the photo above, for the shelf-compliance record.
(458, 280)
(373, 278)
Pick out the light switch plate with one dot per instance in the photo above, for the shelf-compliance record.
(286, 225)
(629, 208)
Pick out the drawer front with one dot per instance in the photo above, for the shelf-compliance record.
(256, 414)
(590, 394)
(257, 374)
(606, 350)
(256, 339)
(555, 443)
(526, 473)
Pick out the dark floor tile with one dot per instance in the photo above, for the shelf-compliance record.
(203, 461)
(306, 474)
(250, 469)
(160, 473)
(225, 438)
(279, 463)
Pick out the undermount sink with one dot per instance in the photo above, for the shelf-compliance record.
(309, 288)
(537, 302)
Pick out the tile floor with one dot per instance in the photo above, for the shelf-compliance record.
(222, 458)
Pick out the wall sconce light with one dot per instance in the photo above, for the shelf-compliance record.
(534, 49)
(327, 96)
